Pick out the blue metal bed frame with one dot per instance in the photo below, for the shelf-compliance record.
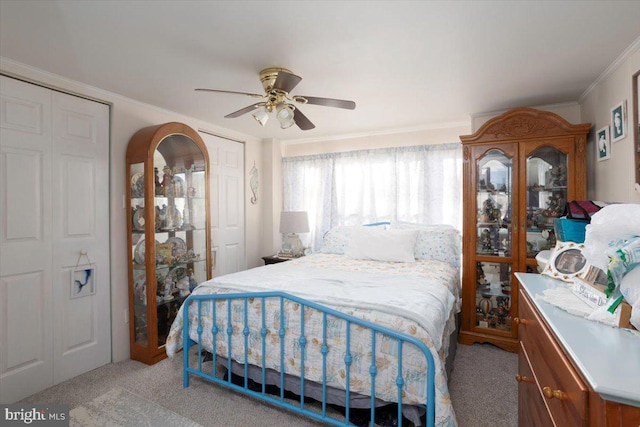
(400, 338)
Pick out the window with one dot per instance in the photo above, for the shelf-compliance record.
(420, 184)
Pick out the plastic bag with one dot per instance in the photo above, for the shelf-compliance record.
(609, 224)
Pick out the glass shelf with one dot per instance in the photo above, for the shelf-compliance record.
(493, 295)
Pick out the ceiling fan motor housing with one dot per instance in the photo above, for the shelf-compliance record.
(268, 77)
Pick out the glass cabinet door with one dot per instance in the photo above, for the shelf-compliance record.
(180, 226)
(494, 202)
(493, 295)
(141, 336)
(546, 197)
(494, 235)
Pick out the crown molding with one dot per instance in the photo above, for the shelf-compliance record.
(432, 126)
(612, 68)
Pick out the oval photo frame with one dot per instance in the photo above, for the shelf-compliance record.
(567, 262)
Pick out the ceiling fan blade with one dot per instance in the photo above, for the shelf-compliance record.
(327, 102)
(302, 121)
(286, 81)
(255, 95)
(244, 110)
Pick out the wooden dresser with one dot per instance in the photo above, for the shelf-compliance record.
(572, 371)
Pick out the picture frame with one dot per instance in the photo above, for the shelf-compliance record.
(636, 125)
(619, 121)
(603, 144)
(567, 262)
(83, 281)
(164, 253)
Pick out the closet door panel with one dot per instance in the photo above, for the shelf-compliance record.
(54, 186)
(81, 235)
(26, 332)
(227, 204)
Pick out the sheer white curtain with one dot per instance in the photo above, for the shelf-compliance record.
(420, 184)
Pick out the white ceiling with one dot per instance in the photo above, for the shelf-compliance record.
(407, 65)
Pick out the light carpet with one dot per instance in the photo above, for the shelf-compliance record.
(119, 407)
(483, 389)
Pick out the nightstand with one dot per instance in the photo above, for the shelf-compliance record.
(273, 259)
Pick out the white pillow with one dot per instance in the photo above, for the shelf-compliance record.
(382, 245)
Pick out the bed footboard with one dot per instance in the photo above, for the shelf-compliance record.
(234, 309)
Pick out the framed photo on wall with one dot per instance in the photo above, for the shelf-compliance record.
(619, 121)
(602, 142)
(83, 281)
(636, 124)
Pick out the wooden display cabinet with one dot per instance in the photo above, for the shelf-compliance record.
(520, 169)
(168, 204)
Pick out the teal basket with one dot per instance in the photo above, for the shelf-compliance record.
(570, 230)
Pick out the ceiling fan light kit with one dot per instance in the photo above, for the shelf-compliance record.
(285, 115)
(261, 115)
(277, 83)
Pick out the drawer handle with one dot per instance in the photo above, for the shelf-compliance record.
(553, 394)
(522, 378)
(519, 321)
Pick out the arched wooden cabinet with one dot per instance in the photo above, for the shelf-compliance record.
(168, 230)
(520, 169)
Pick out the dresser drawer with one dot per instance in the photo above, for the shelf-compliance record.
(565, 394)
(532, 410)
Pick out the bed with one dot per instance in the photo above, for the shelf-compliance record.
(364, 323)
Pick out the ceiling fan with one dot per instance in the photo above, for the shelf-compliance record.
(277, 83)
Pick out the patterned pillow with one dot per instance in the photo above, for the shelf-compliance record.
(441, 242)
(335, 240)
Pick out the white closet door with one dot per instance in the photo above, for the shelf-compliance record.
(26, 294)
(227, 204)
(82, 326)
(54, 192)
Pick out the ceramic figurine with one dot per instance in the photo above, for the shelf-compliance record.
(485, 238)
(167, 181)
(192, 281)
(183, 286)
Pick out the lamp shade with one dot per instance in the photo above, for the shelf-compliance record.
(285, 115)
(294, 222)
(261, 115)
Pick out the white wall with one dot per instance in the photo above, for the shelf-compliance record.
(613, 180)
(271, 239)
(432, 135)
(127, 117)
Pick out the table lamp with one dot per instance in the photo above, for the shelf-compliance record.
(292, 223)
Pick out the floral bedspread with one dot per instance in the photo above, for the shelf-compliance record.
(418, 299)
